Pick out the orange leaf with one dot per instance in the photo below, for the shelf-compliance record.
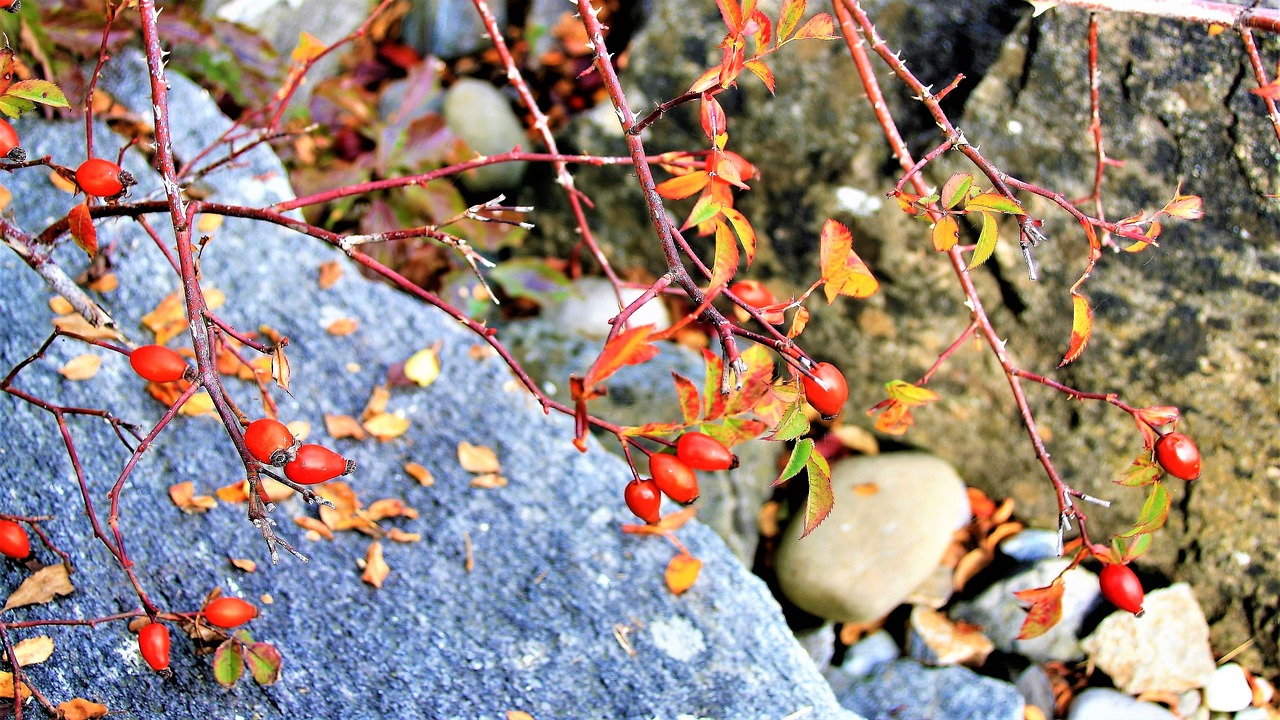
(630, 347)
(375, 568)
(682, 572)
(184, 496)
(81, 367)
(1045, 610)
(81, 709)
(843, 272)
(763, 72)
(725, 265)
(1187, 207)
(420, 473)
(946, 233)
(746, 233)
(342, 326)
(82, 229)
(329, 274)
(819, 27)
(1081, 328)
(387, 426)
(309, 48)
(683, 186)
(477, 458)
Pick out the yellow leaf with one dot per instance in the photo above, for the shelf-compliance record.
(6, 686)
(1081, 328)
(378, 400)
(477, 458)
(81, 367)
(183, 495)
(423, 367)
(386, 426)
(946, 233)
(208, 223)
(375, 567)
(843, 272)
(301, 429)
(63, 184)
(34, 651)
(309, 48)
(60, 306)
(488, 481)
(682, 572)
(105, 284)
(199, 404)
(78, 325)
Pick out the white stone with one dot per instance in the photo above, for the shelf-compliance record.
(1165, 649)
(481, 115)
(1228, 690)
(1108, 704)
(876, 546)
(588, 309)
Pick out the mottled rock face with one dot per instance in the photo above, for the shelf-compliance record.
(1191, 323)
(1165, 649)
(545, 621)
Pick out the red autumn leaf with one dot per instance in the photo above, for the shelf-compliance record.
(1045, 610)
(731, 12)
(763, 72)
(1187, 207)
(683, 186)
(629, 347)
(1270, 91)
(789, 18)
(714, 122)
(687, 393)
(82, 229)
(742, 227)
(1081, 328)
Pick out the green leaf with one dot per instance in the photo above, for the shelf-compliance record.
(228, 663)
(994, 202)
(264, 662)
(792, 425)
(956, 189)
(821, 499)
(687, 393)
(1154, 512)
(703, 210)
(1141, 472)
(986, 241)
(799, 457)
(14, 106)
(41, 91)
(531, 278)
(735, 430)
(789, 19)
(908, 394)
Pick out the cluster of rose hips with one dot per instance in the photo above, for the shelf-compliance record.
(674, 476)
(223, 612)
(95, 176)
(269, 441)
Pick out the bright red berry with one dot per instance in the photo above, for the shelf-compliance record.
(228, 612)
(102, 178)
(269, 441)
(14, 542)
(675, 479)
(12, 6)
(828, 392)
(316, 464)
(755, 294)
(643, 499)
(158, 363)
(1121, 587)
(9, 142)
(153, 642)
(1178, 455)
(700, 451)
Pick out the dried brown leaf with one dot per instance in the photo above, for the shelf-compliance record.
(301, 429)
(343, 426)
(342, 326)
(389, 508)
(973, 562)
(478, 458)
(81, 709)
(105, 284)
(81, 367)
(378, 400)
(78, 325)
(400, 536)
(420, 473)
(375, 567)
(244, 564)
(59, 305)
(329, 274)
(40, 587)
(387, 426)
(33, 651)
(183, 495)
(767, 519)
(488, 481)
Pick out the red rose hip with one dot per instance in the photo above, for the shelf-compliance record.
(158, 363)
(153, 643)
(14, 542)
(316, 464)
(102, 178)
(1121, 587)
(675, 479)
(700, 451)
(828, 391)
(643, 499)
(9, 142)
(1178, 455)
(229, 612)
(269, 441)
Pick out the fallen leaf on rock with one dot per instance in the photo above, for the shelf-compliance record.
(375, 568)
(682, 572)
(6, 686)
(244, 564)
(488, 481)
(40, 587)
(208, 223)
(378, 400)
(386, 426)
(60, 306)
(33, 651)
(389, 508)
(343, 514)
(168, 319)
(78, 325)
(400, 536)
(480, 352)
(81, 367)
(420, 473)
(309, 523)
(183, 495)
(236, 492)
(329, 274)
(301, 429)
(198, 404)
(477, 458)
(258, 366)
(342, 326)
(105, 284)
(518, 715)
(423, 367)
(343, 426)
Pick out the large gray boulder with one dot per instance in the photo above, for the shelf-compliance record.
(1189, 324)
(541, 624)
